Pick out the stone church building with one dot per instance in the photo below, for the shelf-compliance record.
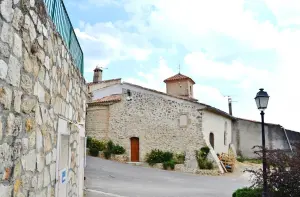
(142, 119)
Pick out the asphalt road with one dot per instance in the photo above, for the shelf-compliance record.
(111, 179)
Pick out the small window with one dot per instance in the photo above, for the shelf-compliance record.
(191, 89)
(212, 140)
(183, 121)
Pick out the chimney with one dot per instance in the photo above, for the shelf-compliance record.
(230, 105)
(97, 75)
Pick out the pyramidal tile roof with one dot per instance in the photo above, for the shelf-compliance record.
(178, 77)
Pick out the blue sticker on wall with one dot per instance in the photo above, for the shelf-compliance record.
(63, 176)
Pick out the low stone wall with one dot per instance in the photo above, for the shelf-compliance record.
(183, 168)
(119, 158)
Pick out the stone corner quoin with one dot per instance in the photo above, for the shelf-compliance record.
(39, 83)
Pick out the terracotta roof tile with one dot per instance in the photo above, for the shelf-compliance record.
(104, 81)
(178, 77)
(107, 99)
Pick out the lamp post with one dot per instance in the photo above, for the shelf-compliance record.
(262, 99)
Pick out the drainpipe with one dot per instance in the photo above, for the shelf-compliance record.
(287, 138)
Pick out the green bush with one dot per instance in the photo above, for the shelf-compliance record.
(205, 164)
(158, 156)
(247, 192)
(110, 145)
(88, 142)
(107, 154)
(179, 158)
(118, 150)
(170, 164)
(155, 156)
(96, 144)
(167, 156)
(94, 152)
(204, 151)
(201, 156)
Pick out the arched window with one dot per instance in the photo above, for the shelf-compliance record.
(225, 134)
(212, 139)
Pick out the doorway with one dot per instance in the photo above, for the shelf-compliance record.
(212, 140)
(135, 149)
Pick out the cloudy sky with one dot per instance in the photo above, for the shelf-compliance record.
(231, 47)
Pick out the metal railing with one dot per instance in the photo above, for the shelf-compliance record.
(59, 15)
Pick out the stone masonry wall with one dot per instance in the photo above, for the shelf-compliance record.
(38, 84)
(97, 122)
(154, 119)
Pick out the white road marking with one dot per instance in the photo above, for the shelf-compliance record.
(108, 194)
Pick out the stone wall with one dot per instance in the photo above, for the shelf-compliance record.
(97, 121)
(246, 134)
(38, 84)
(154, 119)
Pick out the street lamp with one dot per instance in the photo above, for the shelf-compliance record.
(262, 99)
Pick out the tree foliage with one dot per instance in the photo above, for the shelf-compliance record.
(283, 172)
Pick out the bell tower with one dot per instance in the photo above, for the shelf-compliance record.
(180, 85)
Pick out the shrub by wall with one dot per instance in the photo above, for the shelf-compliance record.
(158, 156)
(247, 192)
(202, 160)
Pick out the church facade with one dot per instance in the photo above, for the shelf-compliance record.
(142, 119)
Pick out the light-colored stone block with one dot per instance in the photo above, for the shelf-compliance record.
(14, 71)
(17, 47)
(5, 97)
(33, 15)
(7, 10)
(40, 161)
(40, 180)
(17, 100)
(6, 34)
(46, 177)
(48, 158)
(40, 92)
(52, 171)
(28, 104)
(3, 69)
(26, 83)
(29, 161)
(18, 18)
(39, 141)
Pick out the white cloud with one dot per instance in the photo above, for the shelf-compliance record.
(286, 12)
(104, 43)
(204, 66)
(219, 28)
(153, 78)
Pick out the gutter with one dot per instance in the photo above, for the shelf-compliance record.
(287, 138)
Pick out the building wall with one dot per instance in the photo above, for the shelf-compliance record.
(190, 88)
(247, 134)
(178, 88)
(38, 84)
(103, 84)
(106, 91)
(216, 124)
(154, 119)
(97, 121)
